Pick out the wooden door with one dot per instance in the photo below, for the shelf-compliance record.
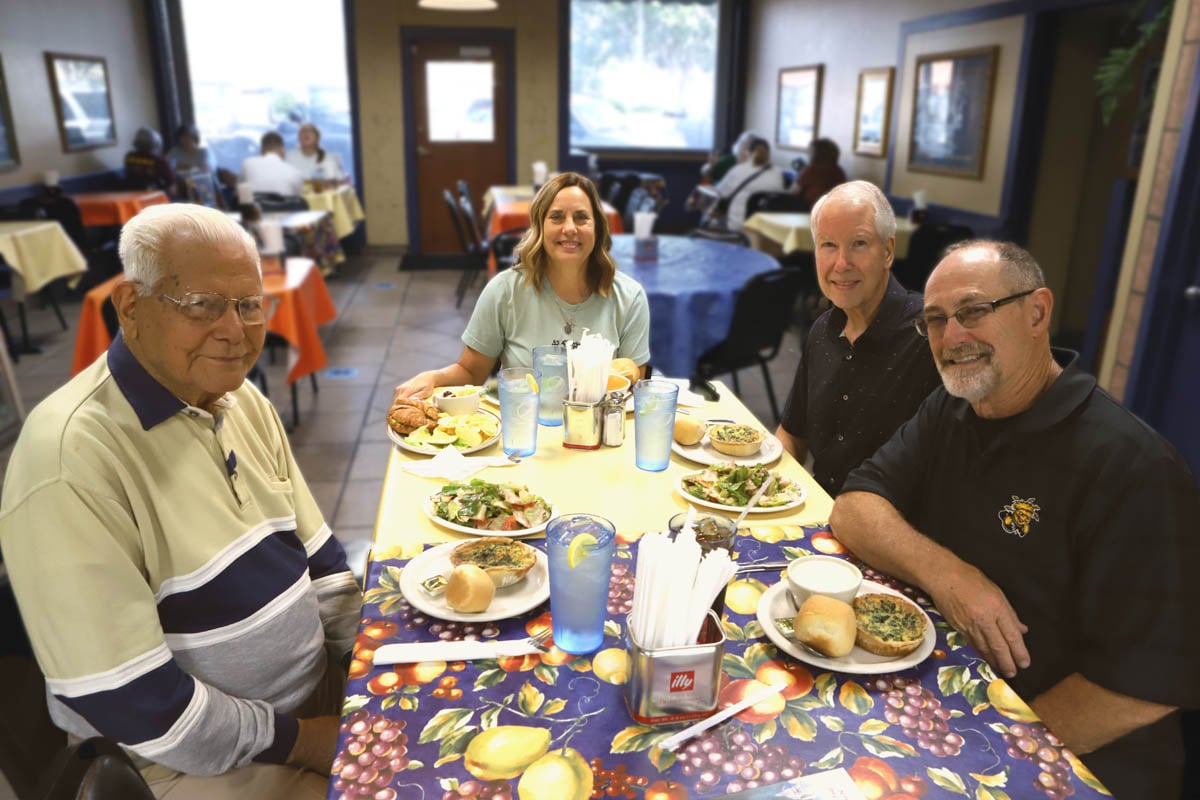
(462, 106)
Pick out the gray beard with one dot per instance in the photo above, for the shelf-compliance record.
(972, 385)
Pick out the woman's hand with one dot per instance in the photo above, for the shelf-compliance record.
(418, 387)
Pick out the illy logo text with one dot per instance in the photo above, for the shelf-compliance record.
(683, 681)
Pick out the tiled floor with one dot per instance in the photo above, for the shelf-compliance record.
(390, 325)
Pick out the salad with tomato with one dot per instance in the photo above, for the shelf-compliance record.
(490, 506)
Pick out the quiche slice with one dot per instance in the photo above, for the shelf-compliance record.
(888, 625)
(506, 561)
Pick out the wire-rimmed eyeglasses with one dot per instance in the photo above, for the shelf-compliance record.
(967, 316)
(208, 307)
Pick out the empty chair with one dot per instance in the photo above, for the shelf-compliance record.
(475, 259)
(503, 245)
(925, 249)
(464, 194)
(270, 201)
(622, 187)
(761, 315)
(95, 769)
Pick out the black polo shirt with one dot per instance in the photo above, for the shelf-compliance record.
(848, 399)
(1089, 521)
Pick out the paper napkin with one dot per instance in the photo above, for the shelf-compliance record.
(453, 465)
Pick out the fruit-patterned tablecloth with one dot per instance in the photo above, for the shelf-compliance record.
(556, 726)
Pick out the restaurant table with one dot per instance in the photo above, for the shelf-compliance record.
(342, 203)
(506, 207)
(409, 727)
(316, 234)
(39, 251)
(116, 208)
(780, 232)
(302, 304)
(691, 287)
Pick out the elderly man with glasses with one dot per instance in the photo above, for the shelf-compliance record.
(180, 587)
(1049, 525)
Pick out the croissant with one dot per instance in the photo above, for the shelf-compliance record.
(408, 414)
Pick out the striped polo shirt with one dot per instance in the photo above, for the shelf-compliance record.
(179, 585)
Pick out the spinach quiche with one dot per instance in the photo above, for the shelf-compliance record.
(888, 625)
(506, 561)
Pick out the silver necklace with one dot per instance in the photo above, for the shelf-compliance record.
(568, 321)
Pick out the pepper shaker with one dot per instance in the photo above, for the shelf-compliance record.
(614, 419)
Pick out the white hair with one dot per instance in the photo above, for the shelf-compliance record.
(144, 237)
(861, 191)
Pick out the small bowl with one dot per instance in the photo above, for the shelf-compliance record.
(832, 577)
(457, 399)
(617, 383)
(718, 437)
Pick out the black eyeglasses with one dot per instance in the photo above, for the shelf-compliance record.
(208, 307)
(967, 316)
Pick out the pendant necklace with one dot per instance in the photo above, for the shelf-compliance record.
(568, 321)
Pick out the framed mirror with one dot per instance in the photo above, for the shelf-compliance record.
(9, 159)
(82, 101)
(873, 111)
(799, 106)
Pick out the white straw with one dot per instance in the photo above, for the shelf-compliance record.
(674, 741)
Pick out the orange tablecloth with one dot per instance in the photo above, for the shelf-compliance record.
(302, 304)
(508, 207)
(115, 208)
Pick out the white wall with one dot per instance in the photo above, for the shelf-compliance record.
(112, 29)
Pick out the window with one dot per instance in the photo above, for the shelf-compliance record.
(460, 101)
(268, 65)
(643, 74)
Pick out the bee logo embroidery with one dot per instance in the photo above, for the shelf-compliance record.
(1016, 517)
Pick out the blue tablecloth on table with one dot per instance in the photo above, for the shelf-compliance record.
(691, 286)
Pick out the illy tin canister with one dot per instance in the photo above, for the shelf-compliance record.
(674, 684)
(582, 424)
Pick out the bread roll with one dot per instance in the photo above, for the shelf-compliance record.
(826, 625)
(469, 589)
(688, 429)
(626, 367)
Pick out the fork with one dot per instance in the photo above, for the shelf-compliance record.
(539, 639)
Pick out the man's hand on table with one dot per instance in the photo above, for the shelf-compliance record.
(978, 609)
(315, 744)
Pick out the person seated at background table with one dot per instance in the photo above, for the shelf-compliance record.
(717, 165)
(195, 166)
(1048, 524)
(864, 369)
(182, 592)
(756, 174)
(564, 281)
(269, 173)
(822, 172)
(145, 166)
(313, 162)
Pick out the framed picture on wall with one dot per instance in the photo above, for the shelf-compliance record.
(799, 110)
(873, 111)
(82, 101)
(952, 107)
(9, 158)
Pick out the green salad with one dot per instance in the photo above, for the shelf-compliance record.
(490, 506)
(734, 485)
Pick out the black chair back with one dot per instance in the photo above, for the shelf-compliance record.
(503, 244)
(471, 224)
(59, 207)
(464, 191)
(271, 201)
(622, 187)
(95, 769)
(774, 201)
(925, 249)
(464, 239)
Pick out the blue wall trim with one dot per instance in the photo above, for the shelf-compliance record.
(411, 34)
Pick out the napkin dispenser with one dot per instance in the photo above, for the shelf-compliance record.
(645, 243)
(675, 684)
(582, 424)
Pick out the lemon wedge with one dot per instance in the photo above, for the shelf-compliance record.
(579, 548)
(532, 382)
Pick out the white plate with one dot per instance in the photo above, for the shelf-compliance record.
(508, 602)
(775, 603)
(427, 507)
(704, 453)
(720, 507)
(402, 441)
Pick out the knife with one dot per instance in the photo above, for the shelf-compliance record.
(762, 566)
(411, 652)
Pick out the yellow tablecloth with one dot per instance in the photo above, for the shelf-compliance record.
(790, 231)
(604, 481)
(39, 251)
(342, 203)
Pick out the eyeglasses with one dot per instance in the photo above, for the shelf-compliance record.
(967, 316)
(208, 307)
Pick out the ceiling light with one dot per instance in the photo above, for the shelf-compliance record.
(458, 5)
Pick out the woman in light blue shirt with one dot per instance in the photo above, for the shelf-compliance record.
(564, 281)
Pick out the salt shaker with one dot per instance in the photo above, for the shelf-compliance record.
(614, 419)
